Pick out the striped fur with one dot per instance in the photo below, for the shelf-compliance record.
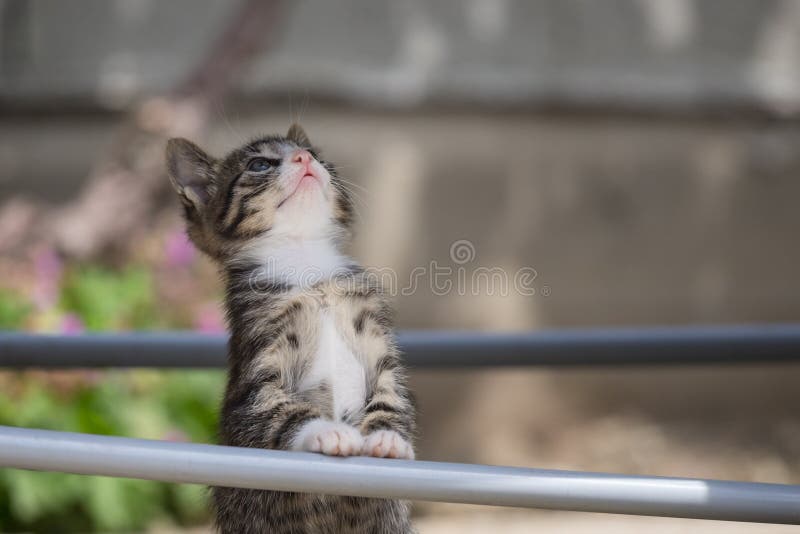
(312, 361)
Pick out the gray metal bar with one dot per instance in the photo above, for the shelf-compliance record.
(429, 349)
(370, 477)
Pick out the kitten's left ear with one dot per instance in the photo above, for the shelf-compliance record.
(190, 170)
(298, 135)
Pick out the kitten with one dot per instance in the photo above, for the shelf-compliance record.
(312, 361)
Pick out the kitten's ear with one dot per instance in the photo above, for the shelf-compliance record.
(298, 135)
(190, 172)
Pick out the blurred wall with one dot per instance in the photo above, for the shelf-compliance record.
(680, 53)
(625, 219)
(667, 214)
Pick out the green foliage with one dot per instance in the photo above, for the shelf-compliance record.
(169, 405)
(13, 311)
(108, 300)
(174, 405)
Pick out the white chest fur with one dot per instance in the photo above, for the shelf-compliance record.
(335, 364)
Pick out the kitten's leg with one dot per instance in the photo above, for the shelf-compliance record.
(264, 415)
(261, 414)
(388, 422)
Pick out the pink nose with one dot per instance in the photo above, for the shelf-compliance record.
(301, 156)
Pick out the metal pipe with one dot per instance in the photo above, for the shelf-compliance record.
(417, 480)
(431, 349)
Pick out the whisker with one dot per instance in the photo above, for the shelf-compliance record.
(355, 199)
(352, 186)
(353, 195)
(350, 182)
(219, 108)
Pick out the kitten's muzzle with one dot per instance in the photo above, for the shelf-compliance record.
(303, 157)
(305, 168)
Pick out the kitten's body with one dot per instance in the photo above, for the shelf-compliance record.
(312, 360)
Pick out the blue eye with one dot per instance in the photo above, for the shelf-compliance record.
(259, 165)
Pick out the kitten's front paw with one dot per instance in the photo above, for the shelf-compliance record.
(387, 444)
(327, 437)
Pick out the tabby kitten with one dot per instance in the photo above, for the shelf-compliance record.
(312, 361)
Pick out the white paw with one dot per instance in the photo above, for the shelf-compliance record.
(387, 444)
(327, 437)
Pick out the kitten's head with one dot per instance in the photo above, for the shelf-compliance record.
(274, 189)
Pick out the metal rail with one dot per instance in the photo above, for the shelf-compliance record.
(430, 349)
(370, 477)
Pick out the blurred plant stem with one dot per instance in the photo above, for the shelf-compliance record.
(125, 183)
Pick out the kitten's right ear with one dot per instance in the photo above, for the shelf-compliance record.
(190, 171)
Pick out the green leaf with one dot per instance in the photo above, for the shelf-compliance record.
(190, 502)
(110, 300)
(14, 310)
(35, 494)
(123, 504)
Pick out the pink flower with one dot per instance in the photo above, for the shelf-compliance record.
(176, 434)
(209, 320)
(71, 324)
(178, 250)
(48, 268)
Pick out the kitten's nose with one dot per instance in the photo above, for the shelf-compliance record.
(301, 156)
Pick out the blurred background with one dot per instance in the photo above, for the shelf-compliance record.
(642, 156)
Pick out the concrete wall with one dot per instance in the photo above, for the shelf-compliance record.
(626, 220)
(682, 53)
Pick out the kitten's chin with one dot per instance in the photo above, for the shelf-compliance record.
(308, 193)
(303, 189)
(305, 215)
